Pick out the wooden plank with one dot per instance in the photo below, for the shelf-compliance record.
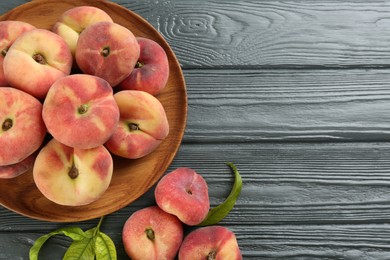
(272, 33)
(269, 34)
(287, 105)
(284, 183)
(299, 200)
(369, 242)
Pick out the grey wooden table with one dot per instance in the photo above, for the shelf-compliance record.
(297, 95)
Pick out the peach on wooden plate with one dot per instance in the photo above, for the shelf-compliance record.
(143, 125)
(70, 176)
(80, 111)
(107, 50)
(36, 60)
(73, 21)
(22, 129)
(16, 169)
(125, 188)
(9, 31)
(151, 72)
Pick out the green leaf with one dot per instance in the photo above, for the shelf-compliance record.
(218, 213)
(104, 247)
(82, 249)
(74, 233)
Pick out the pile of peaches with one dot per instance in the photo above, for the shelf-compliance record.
(60, 84)
(156, 232)
(73, 96)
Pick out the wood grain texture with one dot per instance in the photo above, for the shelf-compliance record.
(288, 105)
(267, 34)
(368, 242)
(319, 199)
(272, 33)
(296, 94)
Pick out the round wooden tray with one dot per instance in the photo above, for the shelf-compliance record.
(132, 178)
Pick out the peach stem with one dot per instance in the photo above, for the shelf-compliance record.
(150, 234)
(105, 52)
(39, 58)
(212, 255)
(83, 109)
(73, 172)
(4, 52)
(133, 127)
(139, 64)
(7, 124)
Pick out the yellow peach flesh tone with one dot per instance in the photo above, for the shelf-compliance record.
(36, 77)
(146, 115)
(52, 176)
(72, 22)
(9, 31)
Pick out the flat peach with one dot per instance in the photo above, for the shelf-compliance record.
(212, 243)
(151, 71)
(9, 31)
(143, 125)
(14, 170)
(183, 193)
(22, 129)
(80, 111)
(45, 58)
(70, 176)
(151, 233)
(73, 21)
(107, 50)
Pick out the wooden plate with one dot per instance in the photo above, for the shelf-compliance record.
(132, 178)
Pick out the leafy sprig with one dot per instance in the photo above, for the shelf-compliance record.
(91, 244)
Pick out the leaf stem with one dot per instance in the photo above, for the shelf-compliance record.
(98, 226)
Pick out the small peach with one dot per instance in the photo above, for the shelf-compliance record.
(70, 176)
(22, 129)
(107, 50)
(80, 111)
(73, 21)
(183, 193)
(143, 125)
(151, 233)
(211, 243)
(14, 170)
(151, 71)
(36, 60)
(9, 31)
